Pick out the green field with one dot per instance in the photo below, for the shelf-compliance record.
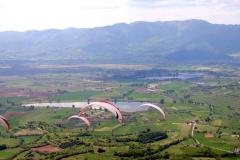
(213, 102)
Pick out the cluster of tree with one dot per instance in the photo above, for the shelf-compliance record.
(143, 152)
(137, 152)
(106, 142)
(3, 147)
(158, 156)
(142, 74)
(66, 145)
(144, 137)
(67, 153)
(211, 112)
(84, 134)
(41, 125)
(148, 137)
(8, 102)
(126, 139)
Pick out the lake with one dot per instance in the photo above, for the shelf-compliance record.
(124, 106)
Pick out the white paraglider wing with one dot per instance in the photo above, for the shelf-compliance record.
(154, 106)
(84, 119)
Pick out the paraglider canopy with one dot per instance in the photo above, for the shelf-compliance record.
(154, 106)
(106, 105)
(84, 119)
(119, 113)
(4, 122)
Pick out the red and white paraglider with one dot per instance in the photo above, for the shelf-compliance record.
(4, 123)
(106, 105)
(112, 108)
(84, 119)
(154, 106)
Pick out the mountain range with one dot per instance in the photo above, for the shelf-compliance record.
(145, 42)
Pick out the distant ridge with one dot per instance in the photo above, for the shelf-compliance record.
(190, 40)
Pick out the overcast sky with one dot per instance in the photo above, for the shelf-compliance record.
(24, 15)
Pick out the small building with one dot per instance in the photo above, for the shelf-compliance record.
(208, 135)
(235, 136)
(152, 86)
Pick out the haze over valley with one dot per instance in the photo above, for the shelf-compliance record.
(138, 42)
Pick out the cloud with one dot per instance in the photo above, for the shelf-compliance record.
(103, 4)
(162, 3)
(44, 14)
(224, 4)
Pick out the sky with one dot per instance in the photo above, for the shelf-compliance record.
(22, 15)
